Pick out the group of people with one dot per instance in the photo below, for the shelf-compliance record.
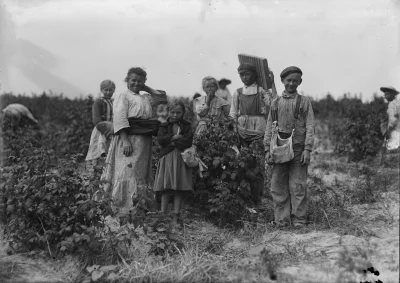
(127, 170)
(124, 128)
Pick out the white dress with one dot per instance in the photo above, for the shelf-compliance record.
(129, 179)
(394, 122)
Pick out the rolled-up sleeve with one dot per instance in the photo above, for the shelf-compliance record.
(234, 106)
(120, 110)
(159, 97)
(96, 112)
(310, 126)
(268, 132)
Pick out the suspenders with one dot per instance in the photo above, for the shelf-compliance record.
(274, 111)
(259, 96)
(107, 110)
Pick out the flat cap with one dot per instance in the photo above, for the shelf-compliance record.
(290, 70)
(247, 67)
(389, 89)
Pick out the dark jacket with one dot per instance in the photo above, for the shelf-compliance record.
(165, 134)
(99, 111)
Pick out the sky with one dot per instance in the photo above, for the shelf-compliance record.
(70, 46)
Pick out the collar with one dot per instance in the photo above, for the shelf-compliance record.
(251, 89)
(289, 95)
(249, 86)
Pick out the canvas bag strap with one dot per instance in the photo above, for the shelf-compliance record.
(274, 110)
(240, 93)
(297, 110)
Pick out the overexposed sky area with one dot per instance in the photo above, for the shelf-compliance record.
(70, 46)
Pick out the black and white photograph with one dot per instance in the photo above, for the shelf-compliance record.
(238, 141)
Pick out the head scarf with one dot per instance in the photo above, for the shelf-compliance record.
(246, 67)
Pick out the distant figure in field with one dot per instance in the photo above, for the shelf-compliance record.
(223, 91)
(102, 113)
(18, 115)
(393, 111)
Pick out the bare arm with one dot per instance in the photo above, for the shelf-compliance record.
(127, 146)
(233, 111)
(96, 112)
(273, 88)
(268, 133)
(158, 96)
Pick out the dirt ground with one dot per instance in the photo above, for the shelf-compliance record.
(309, 254)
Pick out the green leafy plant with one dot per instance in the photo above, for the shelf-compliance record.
(48, 205)
(225, 189)
(163, 237)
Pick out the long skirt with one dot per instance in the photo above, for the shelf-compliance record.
(173, 174)
(98, 149)
(129, 179)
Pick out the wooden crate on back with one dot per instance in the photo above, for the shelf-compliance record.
(261, 65)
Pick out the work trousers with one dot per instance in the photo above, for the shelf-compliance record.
(289, 190)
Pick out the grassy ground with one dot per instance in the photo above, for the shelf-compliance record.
(353, 225)
(330, 249)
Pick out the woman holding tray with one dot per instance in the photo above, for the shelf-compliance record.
(128, 173)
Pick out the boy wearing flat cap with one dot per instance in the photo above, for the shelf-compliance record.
(393, 112)
(294, 114)
(249, 108)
